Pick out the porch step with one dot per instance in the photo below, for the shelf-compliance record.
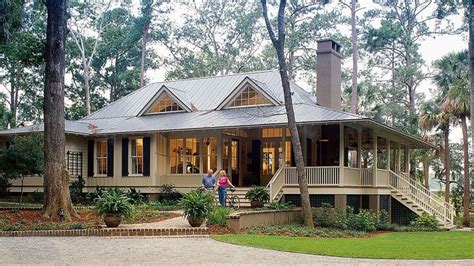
(240, 193)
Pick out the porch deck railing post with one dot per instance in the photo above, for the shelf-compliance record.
(341, 154)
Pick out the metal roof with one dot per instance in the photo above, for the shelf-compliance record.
(203, 93)
(71, 127)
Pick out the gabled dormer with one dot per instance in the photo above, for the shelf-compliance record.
(249, 93)
(167, 100)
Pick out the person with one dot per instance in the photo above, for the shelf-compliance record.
(208, 181)
(223, 182)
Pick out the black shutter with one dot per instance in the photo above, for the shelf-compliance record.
(146, 156)
(309, 152)
(110, 157)
(125, 157)
(256, 160)
(90, 158)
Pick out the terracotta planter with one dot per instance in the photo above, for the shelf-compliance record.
(196, 222)
(256, 204)
(112, 219)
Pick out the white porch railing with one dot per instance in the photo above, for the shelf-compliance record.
(422, 197)
(320, 175)
(366, 177)
(276, 184)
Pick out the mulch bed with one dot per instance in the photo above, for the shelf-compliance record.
(87, 219)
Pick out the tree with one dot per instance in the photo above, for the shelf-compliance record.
(22, 158)
(86, 17)
(56, 178)
(457, 102)
(279, 44)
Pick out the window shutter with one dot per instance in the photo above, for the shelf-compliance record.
(110, 157)
(146, 156)
(90, 158)
(125, 157)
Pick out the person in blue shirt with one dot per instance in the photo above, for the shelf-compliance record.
(209, 181)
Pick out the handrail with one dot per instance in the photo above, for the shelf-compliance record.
(420, 186)
(270, 186)
(410, 188)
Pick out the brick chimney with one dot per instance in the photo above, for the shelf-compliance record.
(328, 71)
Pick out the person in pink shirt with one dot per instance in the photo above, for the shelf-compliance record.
(223, 183)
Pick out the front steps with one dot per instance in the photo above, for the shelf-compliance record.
(239, 192)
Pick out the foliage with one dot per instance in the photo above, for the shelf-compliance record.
(197, 204)
(114, 201)
(75, 189)
(257, 193)
(135, 196)
(169, 194)
(217, 216)
(4, 187)
(409, 245)
(95, 195)
(324, 216)
(24, 157)
(162, 205)
(425, 221)
(296, 230)
(277, 206)
(38, 196)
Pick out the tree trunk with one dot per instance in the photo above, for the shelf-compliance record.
(447, 170)
(143, 56)
(87, 87)
(471, 66)
(355, 55)
(279, 45)
(426, 173)
(56, 179)
(467, 183)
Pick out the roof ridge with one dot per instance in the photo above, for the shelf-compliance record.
(221, 76)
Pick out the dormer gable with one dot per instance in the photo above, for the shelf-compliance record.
(166, 100)
(249, 93)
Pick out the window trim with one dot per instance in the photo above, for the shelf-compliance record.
(130, 158)
(158, 94)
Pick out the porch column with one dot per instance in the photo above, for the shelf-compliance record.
(389, 157)
(283, 148)
(219, 150)
(408, 164)
(359, 147)
(341, 154)
(375, 157)
(399, 158)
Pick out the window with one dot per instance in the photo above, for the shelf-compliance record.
(165, 104)
(192, 156)
(209, 154)
(274, 132)
(101, 157)
(350, 147)
(136, 156)
(176, 156)
(268, 164)
(286, 159)
(74, 163)
(249, 97)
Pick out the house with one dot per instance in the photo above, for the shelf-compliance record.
(172, 132)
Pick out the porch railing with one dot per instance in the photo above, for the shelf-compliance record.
(320, 175)
(422, 197)
(276, 185)
(366, 177)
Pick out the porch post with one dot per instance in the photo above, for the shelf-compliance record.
(219, 150)
(341, 154)
(389, 157)
(359, 147)
(375, 158)
(283, 148)
(399, 157)
(407, 160)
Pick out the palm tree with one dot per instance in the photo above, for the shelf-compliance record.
(457, 102)
(433, 118)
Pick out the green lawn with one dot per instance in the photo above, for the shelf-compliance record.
(413, 245)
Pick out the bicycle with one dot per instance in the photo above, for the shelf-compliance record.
(232, 200)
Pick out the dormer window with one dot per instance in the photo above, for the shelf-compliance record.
(249, 97)
(165, 104)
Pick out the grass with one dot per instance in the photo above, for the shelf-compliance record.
(412, 245)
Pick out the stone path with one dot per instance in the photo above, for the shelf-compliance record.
(162, 251)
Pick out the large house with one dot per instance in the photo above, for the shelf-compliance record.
(172, 132)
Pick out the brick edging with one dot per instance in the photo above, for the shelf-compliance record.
(199, 231)
(26, 208)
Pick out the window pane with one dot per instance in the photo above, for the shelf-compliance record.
(210, 154)
(192, 156)
(137, 156)
(249, 97)
(165, 104)
(176, 156)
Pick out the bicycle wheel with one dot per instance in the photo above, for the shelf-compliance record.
(236, 202)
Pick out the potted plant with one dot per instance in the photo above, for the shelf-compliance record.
(257, 195)
(113, 205)
(196, 206)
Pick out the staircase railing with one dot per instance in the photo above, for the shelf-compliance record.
(276, 184)
(422, 197)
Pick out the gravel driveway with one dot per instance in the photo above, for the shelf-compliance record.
(149, 250)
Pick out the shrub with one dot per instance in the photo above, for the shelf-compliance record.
(95, 195)
(169, 194)
(425, 221)
(279, 206)
(293, 230)
(257, 193)
(324, 216)
(383, 220)
(75, 190)
(217, 216)
(4, 187)
(135, 196)
(196, 204)
(114, 201)
(37, 196)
